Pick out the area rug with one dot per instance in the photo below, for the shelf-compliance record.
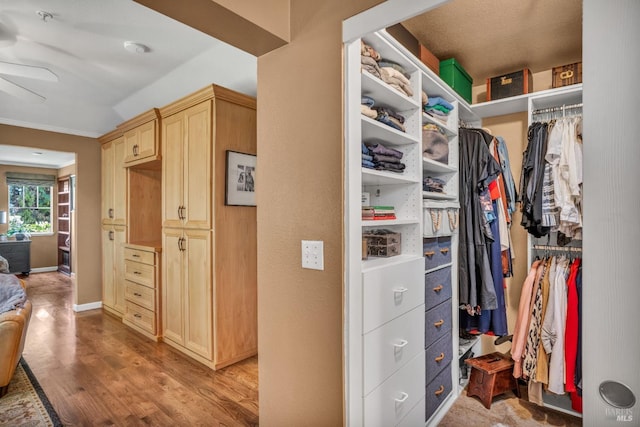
(26, 404)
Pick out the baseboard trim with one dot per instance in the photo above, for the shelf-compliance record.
(87, 306)
(44, 269)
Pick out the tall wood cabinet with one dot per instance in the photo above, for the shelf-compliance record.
(114, 221)
(209, 300)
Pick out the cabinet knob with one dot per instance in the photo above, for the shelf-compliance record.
(439, 391)
(440, 358)
(438, 323)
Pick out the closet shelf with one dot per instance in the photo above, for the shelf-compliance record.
(384, 95)
(448, 131)
(438, 196)
(434, 166)
(375, 131)
(387, 222)
(376, 177)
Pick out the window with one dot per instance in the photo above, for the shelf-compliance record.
(29, 203)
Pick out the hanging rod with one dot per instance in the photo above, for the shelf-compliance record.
(559, 108)
(558, 248)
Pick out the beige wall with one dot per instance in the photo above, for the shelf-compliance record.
(541, 81)
(88, 285)
(44, 249)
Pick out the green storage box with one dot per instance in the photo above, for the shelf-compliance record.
(456, 77)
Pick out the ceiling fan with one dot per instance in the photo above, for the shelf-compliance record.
(28, 71)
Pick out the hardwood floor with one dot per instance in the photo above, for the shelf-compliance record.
(97, 371)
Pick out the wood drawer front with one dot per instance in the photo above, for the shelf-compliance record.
(388, 404)
(437, 323)
(439, 355)
(140, 273)
(437, 287)
(391, 346)
(390, 292)
(141, 295)
(141, 317)
(438, 390)
(140, 256)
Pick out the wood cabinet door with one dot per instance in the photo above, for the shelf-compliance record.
(198, 292)
(119, 239)
(119, 183)
(197, 166)
(147, 140)
(172, 286)
(108, 256)
(131, 143)
(108, 213)
(172, 164)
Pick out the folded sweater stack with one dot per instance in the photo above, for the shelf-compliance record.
(438, 108)
(390, 72)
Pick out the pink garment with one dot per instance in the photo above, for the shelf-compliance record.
(522, 322)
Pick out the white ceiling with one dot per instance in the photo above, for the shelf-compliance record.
(35, 157)
(100, 83)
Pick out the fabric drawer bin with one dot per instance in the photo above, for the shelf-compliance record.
(440, 220)
(439, 355)
(438, 390)
(436, 251)
(437, 322)
(437, 287)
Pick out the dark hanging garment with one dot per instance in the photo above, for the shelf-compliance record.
(478, 168)
(531, 179)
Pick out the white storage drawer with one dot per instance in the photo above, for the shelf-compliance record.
(415, 417)
(392, 346)
(397, 396)
(391, 291)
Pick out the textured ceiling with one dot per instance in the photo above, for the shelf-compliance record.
(493, 37)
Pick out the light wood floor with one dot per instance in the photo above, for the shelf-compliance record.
(98, 372)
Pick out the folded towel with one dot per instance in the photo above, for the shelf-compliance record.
(436, 100)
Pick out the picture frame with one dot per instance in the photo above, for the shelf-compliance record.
(240, 185)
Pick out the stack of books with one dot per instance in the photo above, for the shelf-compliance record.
(370, 213)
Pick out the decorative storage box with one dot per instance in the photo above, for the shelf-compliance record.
(383, 243)
(566, 75)
(429, 59)
(512, 84)
(455, 76)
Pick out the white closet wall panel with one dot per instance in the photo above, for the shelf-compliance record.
(611, 58)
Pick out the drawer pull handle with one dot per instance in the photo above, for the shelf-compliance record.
(137, 316)
(403, 397)
(430, 253)
(440, 358)
(438, 323)
(401, 290)
(439, 391)
(137, 294)
(135, 256)
(402, 344)
(438, 288)
(137, 273)
(444, 251)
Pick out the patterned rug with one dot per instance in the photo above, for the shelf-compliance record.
(26, 404)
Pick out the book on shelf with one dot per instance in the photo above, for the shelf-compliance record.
(378, 212)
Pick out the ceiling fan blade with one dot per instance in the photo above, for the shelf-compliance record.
(30, 71)
(20, 92)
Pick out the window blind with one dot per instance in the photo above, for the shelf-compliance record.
(17, 178)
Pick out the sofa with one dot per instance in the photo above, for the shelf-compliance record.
(13, 327)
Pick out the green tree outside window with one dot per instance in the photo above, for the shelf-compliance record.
(29, 209)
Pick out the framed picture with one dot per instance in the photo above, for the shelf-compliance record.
(241, 179)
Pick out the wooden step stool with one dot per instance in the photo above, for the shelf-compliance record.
(491, 375)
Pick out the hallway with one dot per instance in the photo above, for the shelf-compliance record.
(97, 371)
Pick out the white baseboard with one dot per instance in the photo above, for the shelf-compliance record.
(44, 269)
(87, 306)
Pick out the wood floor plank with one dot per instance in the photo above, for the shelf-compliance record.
(97, 371)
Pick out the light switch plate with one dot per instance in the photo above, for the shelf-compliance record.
(313, 254)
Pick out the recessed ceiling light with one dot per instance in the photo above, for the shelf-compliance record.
(136, 47)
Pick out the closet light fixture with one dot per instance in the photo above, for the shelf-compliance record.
(136, 47)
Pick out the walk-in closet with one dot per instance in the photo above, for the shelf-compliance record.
(491, 230)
